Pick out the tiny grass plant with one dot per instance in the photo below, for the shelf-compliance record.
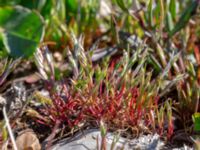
(129, 92)
(112, 91)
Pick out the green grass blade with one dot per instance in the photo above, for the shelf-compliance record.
(121, 4)
(150, 12)
(185, 17)
(172, 8)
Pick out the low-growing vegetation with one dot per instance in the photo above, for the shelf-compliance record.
(128, 66)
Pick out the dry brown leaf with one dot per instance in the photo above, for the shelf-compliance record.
(27, 140)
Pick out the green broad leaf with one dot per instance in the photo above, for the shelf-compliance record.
(196, 120)
(121, 4)
(172, 8)
(22, 30)
(185, 17)
(3, 52)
